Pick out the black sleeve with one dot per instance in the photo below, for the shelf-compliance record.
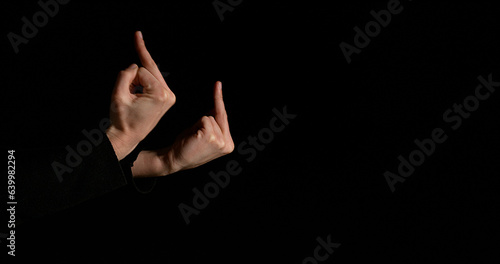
(50, 180)
(142, 185)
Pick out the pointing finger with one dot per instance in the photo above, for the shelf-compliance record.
(146, 59)
(219, 108)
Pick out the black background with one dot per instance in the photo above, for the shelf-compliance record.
(321, 176)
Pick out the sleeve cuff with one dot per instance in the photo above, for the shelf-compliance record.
(142, 185)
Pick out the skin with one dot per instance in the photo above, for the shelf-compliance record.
(134, 115)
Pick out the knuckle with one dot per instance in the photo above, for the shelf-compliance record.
(229, 147)
(221, 145)
(171, 97)
(205, 119)
(212, 139)
(163, 96)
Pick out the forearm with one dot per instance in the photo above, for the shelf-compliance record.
(154, 163)
(48, 183)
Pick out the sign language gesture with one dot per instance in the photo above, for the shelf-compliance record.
(206, 140)
(134, 114)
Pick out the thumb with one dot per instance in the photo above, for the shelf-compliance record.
(124, 80)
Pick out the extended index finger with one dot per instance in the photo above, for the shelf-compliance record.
(220, 114)
(146, 59)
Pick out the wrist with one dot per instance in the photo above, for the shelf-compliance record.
(122, 145)
(167, 155)
(154, 163)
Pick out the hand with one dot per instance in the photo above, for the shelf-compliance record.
(207, 140)
(134, 115)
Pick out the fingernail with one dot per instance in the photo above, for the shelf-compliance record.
(133, 66)
(220, 85)
(140, 34)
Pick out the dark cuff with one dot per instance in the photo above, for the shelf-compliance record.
(142, 185)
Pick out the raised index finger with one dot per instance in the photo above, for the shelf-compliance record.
(146, 59)
(220, 114)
